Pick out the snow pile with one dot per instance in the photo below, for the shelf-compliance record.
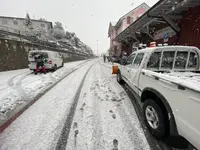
(187, 79)
(39, 126)
(22, 86)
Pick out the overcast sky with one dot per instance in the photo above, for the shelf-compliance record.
(89, 19)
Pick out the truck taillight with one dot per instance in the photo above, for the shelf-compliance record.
(50, 61)
(152, 44)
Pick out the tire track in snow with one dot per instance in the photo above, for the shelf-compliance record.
(96, 120)
(62, 141)
(153, 143)
(17, 87)
(97, 132)
(130, 128)
(5, 124)
(87, 116)
(10, 82)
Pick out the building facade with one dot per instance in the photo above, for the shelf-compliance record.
(165, 23)
(18, 25)
(121, 25)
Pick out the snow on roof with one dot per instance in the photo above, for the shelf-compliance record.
(143, 4)
(151, 49)
(113, 23)
(19, 18)
(50, 41)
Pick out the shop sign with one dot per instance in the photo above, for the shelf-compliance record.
(164, 33)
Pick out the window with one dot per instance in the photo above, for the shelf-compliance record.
(15, 22)
(154, 61)
(181, 60)
(132, 19)
(130, 59)
(192, 63)
(16, 31)
(168, 59)
(4, 22)
(128, 21)
(42, 25)
(138, 59)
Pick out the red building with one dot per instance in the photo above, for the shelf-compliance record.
(124, 22)
(172, 22)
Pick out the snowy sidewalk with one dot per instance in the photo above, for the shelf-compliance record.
(19, 87)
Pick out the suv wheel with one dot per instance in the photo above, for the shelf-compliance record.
(55, 67)
(119, 78)
(155, 119)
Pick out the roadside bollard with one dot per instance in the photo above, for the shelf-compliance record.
(114, 69)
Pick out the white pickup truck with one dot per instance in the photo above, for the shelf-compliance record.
(167, 87)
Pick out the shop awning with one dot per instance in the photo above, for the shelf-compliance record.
(164, 11)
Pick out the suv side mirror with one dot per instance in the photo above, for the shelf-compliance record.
(123, 62)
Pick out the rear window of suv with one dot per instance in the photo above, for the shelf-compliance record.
(177, 59)
(192, 62)
(154, 61)
(181, 60)
(167, 59)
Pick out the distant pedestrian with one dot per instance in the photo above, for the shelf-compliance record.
(40, 60)
(104, 58)
(124, 57)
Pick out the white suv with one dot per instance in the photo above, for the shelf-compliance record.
(53, 59)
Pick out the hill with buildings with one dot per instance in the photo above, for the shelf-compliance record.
(41, 31)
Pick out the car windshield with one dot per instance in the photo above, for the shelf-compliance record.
(99, 74)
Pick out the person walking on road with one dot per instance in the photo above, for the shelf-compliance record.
(104, 58)
(40, 59)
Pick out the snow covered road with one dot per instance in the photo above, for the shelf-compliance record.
(20, 87)
(94, 115)
(105, 118)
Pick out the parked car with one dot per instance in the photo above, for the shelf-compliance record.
(53, 59)
(165, 81)
(115, 59)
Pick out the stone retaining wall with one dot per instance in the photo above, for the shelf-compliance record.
(14, 54)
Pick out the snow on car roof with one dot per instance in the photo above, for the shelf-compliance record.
(151, 49)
